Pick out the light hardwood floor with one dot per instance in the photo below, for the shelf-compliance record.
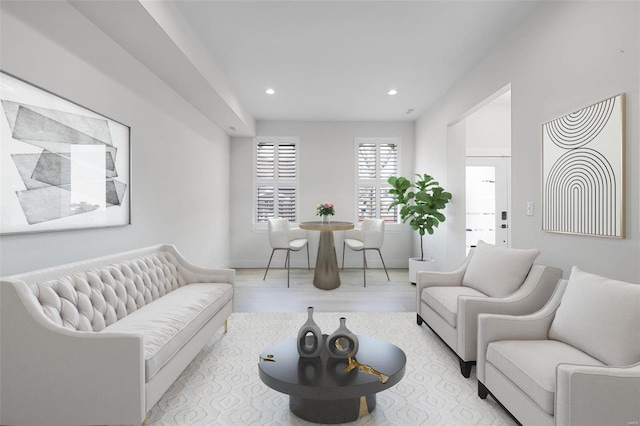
(252, 294)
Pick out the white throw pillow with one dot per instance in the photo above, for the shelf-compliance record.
(498, 271)
(601, 317)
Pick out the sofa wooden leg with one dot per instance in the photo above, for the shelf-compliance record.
(465, 367)
(144, 422)
(226, 327)
(419, 319)
(483, 392)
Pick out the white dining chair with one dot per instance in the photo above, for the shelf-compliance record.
(369, 236)
(283, 237)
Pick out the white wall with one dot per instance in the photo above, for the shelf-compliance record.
(488, 130)
(566, 56)
(180, 160)
(327, 173)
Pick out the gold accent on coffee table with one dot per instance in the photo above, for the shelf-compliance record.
(364, 408)
(366, 369)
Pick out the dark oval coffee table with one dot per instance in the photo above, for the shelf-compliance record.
(321, 390)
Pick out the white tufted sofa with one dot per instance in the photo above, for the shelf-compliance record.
(98, 342)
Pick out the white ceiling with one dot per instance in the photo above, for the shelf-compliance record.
(336, 60)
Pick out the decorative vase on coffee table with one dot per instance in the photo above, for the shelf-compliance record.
(310, 337)
(342, 343)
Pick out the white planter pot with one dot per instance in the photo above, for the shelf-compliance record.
(416, 265)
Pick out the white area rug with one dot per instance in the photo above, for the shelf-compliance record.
(222, 387)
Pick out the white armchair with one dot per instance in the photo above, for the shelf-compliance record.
(284, 237)
(369, 236)
(491, 280)
(574, 362)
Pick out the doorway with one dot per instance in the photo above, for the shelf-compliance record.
(488, 172)
(481, 136)
(487, 201)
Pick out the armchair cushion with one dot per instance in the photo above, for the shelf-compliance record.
(531, 365)
(600, 316)
(444, 300)
(498, 271)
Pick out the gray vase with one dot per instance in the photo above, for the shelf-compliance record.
(309, 337)
(342, 343)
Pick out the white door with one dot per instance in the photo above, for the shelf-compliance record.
(488, 201)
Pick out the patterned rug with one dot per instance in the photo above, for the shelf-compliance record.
(222, 387)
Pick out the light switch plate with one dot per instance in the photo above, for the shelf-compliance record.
(529, 208)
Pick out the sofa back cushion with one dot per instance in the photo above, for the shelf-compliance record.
(498, 271)
(601, 317)
(93, 299)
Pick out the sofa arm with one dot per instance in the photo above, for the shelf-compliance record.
(196, 274)
(535, 326)
(441, 279)
(52, 375)
(203, 275)
(588, 395)
(530, 297)
(426, 279)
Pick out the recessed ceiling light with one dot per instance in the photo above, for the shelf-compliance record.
(270, 92)
(392, 92)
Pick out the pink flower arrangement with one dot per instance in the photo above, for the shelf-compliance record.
(325, 209)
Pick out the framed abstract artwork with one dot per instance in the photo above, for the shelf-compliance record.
(63, 166)
(583, 171)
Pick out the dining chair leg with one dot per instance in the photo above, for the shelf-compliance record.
(385, 266)
(308, 261)
(268, 264)
(364, 266)
(288, 262)
(343, 247)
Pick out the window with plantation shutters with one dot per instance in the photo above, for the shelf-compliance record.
(377, 161)
(276, 178)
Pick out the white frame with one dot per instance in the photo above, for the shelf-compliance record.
(263, 226)
(389, 226)
(583, 152)
(63, 166)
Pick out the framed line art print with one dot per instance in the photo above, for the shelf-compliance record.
(63, 166)
(583, 171)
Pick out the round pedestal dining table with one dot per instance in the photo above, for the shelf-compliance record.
(327, 274)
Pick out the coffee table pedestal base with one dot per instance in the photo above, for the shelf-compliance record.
(332, 411)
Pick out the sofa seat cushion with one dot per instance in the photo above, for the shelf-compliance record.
(170, 321)
(531, 365)
(444, 300)
(498, 271)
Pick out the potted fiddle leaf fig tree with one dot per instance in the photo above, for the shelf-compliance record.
(421, 204)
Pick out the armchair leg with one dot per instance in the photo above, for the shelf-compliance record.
(268, 264)
(465, 367)
(343, 247)
(483, 392)
(308, 262)
(419, 319)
